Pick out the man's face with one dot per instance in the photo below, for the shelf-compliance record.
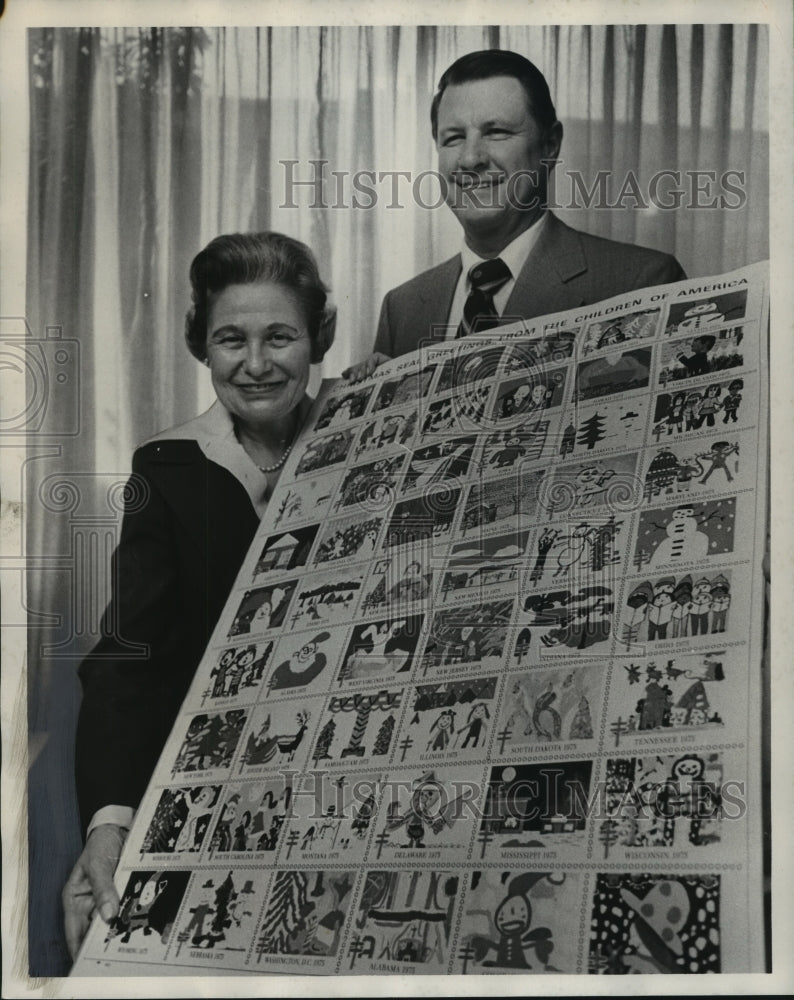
(490, 153)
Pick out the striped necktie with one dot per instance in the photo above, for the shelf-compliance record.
(479, 312)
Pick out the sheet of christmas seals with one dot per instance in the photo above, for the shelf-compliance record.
(485, 697)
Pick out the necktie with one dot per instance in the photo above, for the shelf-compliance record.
(479, 312)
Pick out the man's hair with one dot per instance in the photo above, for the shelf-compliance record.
(499, 62)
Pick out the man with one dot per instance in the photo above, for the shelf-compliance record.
(497, 136)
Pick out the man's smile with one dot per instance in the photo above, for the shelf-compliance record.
(469, 181)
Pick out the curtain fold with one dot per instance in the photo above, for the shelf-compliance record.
(147, 143)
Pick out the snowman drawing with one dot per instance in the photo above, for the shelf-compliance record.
(684, 539)
(704, 314)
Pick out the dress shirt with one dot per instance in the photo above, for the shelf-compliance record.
(515, 255)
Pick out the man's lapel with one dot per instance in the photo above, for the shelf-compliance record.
(430, 308)
(543, 285)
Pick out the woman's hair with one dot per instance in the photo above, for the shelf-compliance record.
(249, 258)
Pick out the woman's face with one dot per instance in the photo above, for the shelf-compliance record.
(259, 351)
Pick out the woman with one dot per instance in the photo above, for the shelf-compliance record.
(259, 319)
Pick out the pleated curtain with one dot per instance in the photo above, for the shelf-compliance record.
(146, 143)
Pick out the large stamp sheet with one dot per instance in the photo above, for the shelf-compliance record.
(489, 700)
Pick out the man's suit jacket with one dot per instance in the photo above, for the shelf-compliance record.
(183, 539)
(566, 269)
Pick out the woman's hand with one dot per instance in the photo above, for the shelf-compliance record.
(90, 886)
(355, 373)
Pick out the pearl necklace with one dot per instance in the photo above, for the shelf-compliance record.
(264, 469)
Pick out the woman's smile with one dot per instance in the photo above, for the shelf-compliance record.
(259, 353)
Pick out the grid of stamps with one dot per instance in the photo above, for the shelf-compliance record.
(478, 702)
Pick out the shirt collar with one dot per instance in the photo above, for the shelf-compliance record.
(214, 433)
(515, 254)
